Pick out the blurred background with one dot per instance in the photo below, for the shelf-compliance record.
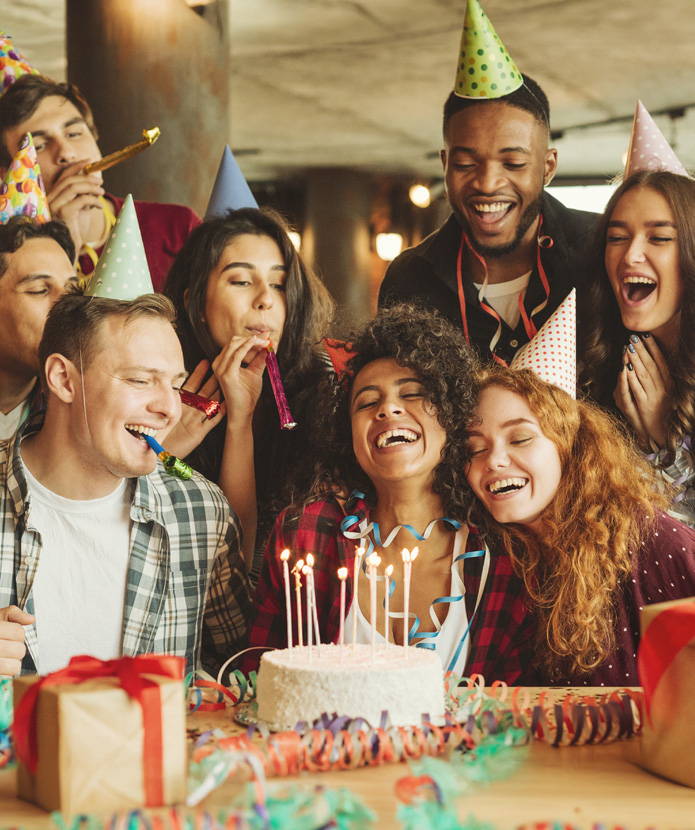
(333, 107)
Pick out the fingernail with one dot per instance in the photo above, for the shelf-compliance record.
(631, 348)
(646, 335)
(634, 338)
(629, 367)
(624, 349)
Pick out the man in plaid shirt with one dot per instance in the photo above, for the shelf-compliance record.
(101, 551)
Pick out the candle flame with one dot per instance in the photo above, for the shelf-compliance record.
(298, 567)
(285, 555)
(342, 573)
(413, 554)
(405, 553)
(389, 570)
(310, 560)
(306, 570)
(359, 553)
(373, 561)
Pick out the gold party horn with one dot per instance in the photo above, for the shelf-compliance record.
(150, 136)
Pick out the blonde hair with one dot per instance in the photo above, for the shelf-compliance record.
(608, 496)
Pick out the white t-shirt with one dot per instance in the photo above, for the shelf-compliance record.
(504, 297)
(80, 581)
(446, 643)
(9, 424)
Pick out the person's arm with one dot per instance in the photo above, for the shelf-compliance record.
(228, 604)
(12, 648)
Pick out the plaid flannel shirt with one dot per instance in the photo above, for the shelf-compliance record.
(185, 544)
(502, 633)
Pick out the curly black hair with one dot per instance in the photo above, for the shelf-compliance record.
(417, 339)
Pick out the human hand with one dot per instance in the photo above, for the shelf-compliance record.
(644, 389)
(73, 197)
(194, 426)
(12, 648)
(239, 369)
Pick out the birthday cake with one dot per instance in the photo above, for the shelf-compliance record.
(291, 689)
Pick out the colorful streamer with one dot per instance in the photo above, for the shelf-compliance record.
(173, 465)
(208, 407)
(271, 361)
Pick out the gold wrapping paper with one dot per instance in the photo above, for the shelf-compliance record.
(90, 747)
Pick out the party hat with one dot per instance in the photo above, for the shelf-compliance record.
(649, 150)
(552, 354)
(122, 272)
(22, 192)
(12, 64)
(485, 69)
(230, 189)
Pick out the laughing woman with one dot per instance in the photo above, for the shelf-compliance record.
(578, 514)
(639, 341)
(396, 434)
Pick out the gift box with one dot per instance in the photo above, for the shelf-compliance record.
(98, 737)
(666, 663)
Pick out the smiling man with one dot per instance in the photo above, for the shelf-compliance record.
(65, 136)
(510, 253)
(35, 270)
(103, 552)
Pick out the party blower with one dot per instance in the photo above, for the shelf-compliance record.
(173, 465)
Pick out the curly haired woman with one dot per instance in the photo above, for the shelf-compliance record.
(638, 349)
(577, 510)
(396, 432)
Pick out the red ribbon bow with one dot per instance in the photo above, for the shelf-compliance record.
(129, 671)
(666, 635)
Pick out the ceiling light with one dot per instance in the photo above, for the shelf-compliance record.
(420, 195)
(388, 245)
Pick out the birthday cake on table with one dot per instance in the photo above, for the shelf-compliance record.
(291, 689)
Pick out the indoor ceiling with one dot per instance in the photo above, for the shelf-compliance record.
(340, 83)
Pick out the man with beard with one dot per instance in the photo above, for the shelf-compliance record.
(510, 253)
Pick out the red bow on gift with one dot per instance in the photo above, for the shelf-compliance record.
(666, 635)
(129, 671)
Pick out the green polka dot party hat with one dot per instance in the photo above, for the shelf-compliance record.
(484, 69)
(122, 272)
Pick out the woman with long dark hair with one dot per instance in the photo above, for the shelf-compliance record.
(638, 325)
(238, 284)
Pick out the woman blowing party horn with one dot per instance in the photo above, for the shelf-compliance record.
(241, 291)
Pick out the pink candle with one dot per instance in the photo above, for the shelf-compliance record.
(314, 613)
(389, 571)
(359, 553)
(297, 571)
(342, 576)
(306, 570)
(373, 562)
(284, 556)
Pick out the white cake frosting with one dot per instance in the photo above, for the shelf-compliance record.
(290, 689)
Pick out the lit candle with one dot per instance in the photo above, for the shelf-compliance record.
(297, 571)
(284, 556)
(342, 576)
(389, 571)
(373, 563)
(314, 613)
(359, 553)
(405, 553)
(306, 570)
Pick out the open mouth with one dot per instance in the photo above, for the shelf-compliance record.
(138, 431)
(637, 289)
(506, 485)
(395, 436)
(490, 212)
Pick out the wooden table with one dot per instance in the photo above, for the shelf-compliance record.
(579, 785)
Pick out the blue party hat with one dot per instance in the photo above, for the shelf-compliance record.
(230, 189)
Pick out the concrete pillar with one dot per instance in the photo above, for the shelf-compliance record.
(336, 238)
(146, 63)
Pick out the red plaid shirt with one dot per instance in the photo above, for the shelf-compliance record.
(501, 634)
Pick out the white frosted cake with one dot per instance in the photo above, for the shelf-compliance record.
(290, 690)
